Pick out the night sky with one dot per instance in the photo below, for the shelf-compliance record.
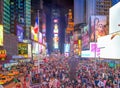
(64, 6)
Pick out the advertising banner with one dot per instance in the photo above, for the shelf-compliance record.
(85, 38)
(110, 46)
(114, 15)
(23, 49)
(3, 54)
(20, 33)
(40, 37)
(66, 48)
(1, 35)
(98, 27)
(34, 35)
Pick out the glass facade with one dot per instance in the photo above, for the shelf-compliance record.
(6, 16)
(27, 14)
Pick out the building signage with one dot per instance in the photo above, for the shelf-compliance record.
(23, 49)
(1, 35)
(3, 54)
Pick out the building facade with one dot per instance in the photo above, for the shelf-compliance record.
(83, 9)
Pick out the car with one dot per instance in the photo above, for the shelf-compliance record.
(1, 75)
(3, 80)
(13, 73)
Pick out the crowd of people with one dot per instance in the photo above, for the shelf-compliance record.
(56, 74)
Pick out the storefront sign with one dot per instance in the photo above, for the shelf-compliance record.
(23, 49)
(3, 54)
(1, 35)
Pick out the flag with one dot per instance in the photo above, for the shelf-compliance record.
(36, 27)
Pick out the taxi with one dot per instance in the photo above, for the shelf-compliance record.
(13, 73)
(3, 80)
(1, 75)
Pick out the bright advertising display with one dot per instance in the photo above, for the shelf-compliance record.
(93, 52)
(29, 51)
(55, 31)
(40, 38)
(114, 22)
(3, 54)
(35, 49)
(110, 46)
(35, 30)
(66, 48)
(98, 27)
(1, 35)
(23, 49)
(85, 38)
(20, 33)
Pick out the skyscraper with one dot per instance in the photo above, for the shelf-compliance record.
(90, 7)
(20, 14)
(6, 16)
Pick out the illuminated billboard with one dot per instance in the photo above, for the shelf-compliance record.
(110, 46)
(85, 38)
(3, 54)
(23, 49)
(40, 37)
(20, 33)
(98, 27)
(55, 28)
(1, 35)
(66, 48)
(34, 36)
(114, 15)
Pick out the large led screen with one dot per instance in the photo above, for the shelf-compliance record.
(85, 38)
(66, 48)
(1, 35)
(20, 33)
(110, 46)
(114, 18)
(98, 27)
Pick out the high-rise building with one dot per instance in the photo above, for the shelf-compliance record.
(90, 7)
(27, 17)
(20, 14)
(102, 7)
(55, 26)
(6, 16)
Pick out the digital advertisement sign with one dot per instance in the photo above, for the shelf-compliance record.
(1, 35)
(34, 36)
(23, 49)
(20, 33)
(98, 27)
(114, 15)
(110, 46)
(66, 48)
(85, 38)
(40, 37)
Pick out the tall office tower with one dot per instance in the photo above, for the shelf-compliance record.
(6, 16)
(83, 9)
(27, 17)
(102, 7)
(55, 26)
(114, 2)
(20, 14)
(79, 11)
